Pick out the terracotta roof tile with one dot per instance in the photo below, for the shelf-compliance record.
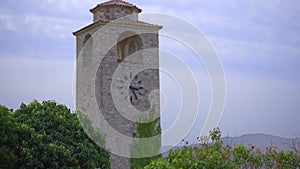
(118, 3)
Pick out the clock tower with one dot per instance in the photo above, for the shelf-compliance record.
(117, 75)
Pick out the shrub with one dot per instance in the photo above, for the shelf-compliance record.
(214, 155)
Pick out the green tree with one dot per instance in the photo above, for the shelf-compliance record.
(8, 138)
(50, 136)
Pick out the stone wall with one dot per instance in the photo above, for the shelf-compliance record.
(96, 64)
(115, 12)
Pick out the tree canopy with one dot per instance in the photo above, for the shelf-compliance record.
(48, 135)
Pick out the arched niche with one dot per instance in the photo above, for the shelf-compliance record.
(128, 43)
(87, 50)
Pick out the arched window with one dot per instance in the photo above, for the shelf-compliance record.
(128, 45)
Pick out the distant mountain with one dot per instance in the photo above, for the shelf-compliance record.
(260, 141)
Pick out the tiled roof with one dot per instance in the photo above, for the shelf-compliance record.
(118, 3)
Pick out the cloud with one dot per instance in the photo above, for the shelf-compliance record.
(51, 5)
(55, 19)
(52, 27)
(263, 55)
(250, 34)
(8, 22)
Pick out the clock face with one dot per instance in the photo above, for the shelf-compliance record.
(135, 89)
(136, 92)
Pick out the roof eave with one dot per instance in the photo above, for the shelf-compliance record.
(95, 24)
(88, 27)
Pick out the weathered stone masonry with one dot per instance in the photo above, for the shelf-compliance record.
(97, 61)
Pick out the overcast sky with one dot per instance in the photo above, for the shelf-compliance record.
(258, 43)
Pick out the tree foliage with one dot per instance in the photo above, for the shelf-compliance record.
(48, 135)
(214, 155)
(8, 138)
(146, 130)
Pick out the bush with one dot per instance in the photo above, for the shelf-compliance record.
(214, 155)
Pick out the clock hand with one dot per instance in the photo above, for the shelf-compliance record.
(133, 91)
(133, 88)
(134, 94)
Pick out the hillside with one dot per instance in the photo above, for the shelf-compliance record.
(260, 141)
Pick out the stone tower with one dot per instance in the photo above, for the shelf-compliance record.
(117, 72)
